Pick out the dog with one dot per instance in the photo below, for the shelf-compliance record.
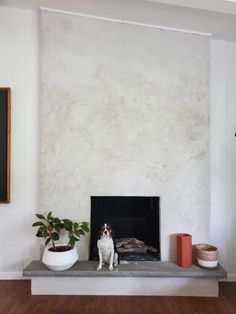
(106, 248)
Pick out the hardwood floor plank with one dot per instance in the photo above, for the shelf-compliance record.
(15, 298)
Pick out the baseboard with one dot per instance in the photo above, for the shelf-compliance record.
(10, 275)
(230, 278)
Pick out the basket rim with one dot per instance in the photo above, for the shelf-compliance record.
(206, 247)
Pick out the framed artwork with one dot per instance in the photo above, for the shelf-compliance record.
(5, 144)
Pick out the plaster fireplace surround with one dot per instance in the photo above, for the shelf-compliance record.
(125, 112)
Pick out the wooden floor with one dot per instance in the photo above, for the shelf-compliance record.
(15, 298)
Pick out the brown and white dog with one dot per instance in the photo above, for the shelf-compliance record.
(106, 248)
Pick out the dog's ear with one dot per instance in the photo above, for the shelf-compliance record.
(109, 228)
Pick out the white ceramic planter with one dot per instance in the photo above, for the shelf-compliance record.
(59, 260)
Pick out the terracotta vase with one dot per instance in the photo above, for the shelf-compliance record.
(184, 249)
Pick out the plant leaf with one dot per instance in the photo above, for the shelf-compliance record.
(57, 220)
(85, 223)
(72, 241)
(85, 228)
(70, 233)
(43, 228)
(81, 231)
(40, 216)
(55, 236)
(41, 233)
(68, 221)
(77, 233)
(37, 223)
(67, 224)
(76, 225)
(47, 241)
(49, 216)
(58, 227)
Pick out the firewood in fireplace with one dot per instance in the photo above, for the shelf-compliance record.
(124, 245)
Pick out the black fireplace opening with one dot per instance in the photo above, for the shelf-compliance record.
(135, 224)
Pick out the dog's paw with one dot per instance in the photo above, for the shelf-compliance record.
(99, 267)
(111, 267)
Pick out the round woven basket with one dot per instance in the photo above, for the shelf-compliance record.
(206, 252)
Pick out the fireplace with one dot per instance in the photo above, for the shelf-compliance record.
(135, 224)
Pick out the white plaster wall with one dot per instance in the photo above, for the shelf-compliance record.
(223, 152)
(125, 111)
(142, 11)
(19, 70)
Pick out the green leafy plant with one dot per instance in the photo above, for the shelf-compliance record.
(50, 228)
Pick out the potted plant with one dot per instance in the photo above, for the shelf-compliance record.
(58, 256)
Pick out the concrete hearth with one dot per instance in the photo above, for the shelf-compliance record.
(134, 278)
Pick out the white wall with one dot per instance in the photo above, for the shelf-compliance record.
(223, 152)
(142, 11)
(19, 70)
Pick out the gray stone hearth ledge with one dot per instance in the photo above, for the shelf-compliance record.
(132, 269)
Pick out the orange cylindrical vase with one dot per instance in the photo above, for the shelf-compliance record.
(184, 249)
